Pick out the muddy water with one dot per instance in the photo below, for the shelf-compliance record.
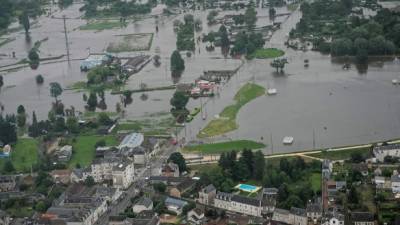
(334, 106)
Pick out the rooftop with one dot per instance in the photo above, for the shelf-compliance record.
(132, 140)
(387, 147)
(176, 202)
(246, 200)
(298, 211)
(145, 202)
(362, 216)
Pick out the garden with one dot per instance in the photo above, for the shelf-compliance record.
(214, 148)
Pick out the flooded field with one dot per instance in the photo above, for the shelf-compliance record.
(320, 106)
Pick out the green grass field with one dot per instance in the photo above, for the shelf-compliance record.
(224, 146)
(24, 155)
(316, 180)
(267, 53)
(227, 120)
(342, 155)
(84, 148)
(102, 25)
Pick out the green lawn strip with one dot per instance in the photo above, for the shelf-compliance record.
(203, 167)
(220, 147)
(20, 212)
(315, 180)
(84, 148)
(267, 53)
(91, 114)
(342, 154)
(292, 7)
(227, 120)
(102, 25)
(24, 155)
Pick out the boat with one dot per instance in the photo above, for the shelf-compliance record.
(288, 140)
(272, 91)
(395, 81)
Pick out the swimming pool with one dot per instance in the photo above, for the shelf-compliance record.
(247, 188)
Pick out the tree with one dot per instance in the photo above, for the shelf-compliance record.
(33, 57)
(211, 16)
(238, 19)
(279, 64)
(41, 207)
(89, 181)
(1, 81)
(72, 125)
(8, 131)
(247, 157)
(20, 109)
(341, 47)
(33, 130)
(250, 18)
(178, 159)
(24, 20)
(160, 187)
(225, 43)
(39, 79)
(258, 165)
(55, 90)
(272, 12)
(356, 157)
(353, 196)
(8, 167)
(104, 119)
(177, 63)
(179, 100)
(241, 170)
(92, 101)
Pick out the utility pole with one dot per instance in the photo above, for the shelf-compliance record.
(66, 38)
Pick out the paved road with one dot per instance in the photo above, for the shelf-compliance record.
(153, 167)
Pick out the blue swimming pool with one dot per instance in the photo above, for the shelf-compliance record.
(247, 187)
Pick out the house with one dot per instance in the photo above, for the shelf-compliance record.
(196, 216)
(240, 204)
(61, 176)
(361, 167)
(64, 153)
(81, 205)
(362, 218)
(380, 152)
(79, 174)
(207, 195)
(379, 182)
(314, 211)
(144, 204)
(327, 167)
(93, 61)
(333, 218)
(7, 183)
(152, 146)
(131, 141)
(170, 170)
(268, 199)
(395, 179)
(181, 188)
(139, 155)
(175, 205)
(281, 215)
(378, 172)
(298, 216)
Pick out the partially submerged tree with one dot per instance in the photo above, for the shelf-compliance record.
(279, 64)
(177, 63)
(55, 90)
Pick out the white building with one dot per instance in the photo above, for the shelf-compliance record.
(281, 215)
(207, 195)
(395, 179)
(239, 204)
(380, 152)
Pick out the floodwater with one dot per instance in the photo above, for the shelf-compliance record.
(321, 106)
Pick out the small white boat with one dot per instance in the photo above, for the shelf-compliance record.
(288, 140)
(395, 81)
(272, 91)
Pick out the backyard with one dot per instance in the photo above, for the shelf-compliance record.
(24, 155)
(84, 148)
(227, 118)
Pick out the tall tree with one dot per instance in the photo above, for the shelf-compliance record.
(34, 128)
(1, 81)
(250, 18)
(92, 101)
(178, 159)
(55, 90)
(24, 20)
(258, 165)
(177, 63)
(225, 43)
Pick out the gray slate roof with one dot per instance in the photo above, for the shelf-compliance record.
(146, 202)
(209, 188)
(298, 211)
(246, 200)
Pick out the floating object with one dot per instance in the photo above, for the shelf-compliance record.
(288, 140)
(306, 65)
(346, 66)
(395, 81)
(272, 91)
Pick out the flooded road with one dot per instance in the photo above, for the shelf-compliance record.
(321, 106)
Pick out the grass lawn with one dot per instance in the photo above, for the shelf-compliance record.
(315, 180)
(227, 120)
(84, 148)
(366, 194)
(20, 212)
(224, 146)
(203, 167)
(161, 124)
(24, 155)
(341, 155)
(267, 53)
(102, 25)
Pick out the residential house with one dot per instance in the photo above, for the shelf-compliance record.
(7, 183)
(175, 205)
(239, 204)
(152, 146)
(144, 204)
(139, 155)
(327, 167)
(170, 170)
(207, 195)
(147, 218)
(361, 167)
(380, 152)
(298, 216)
(61, 176)
(378, 172)
(395, 179)
(333, 218)
(379, 182)
(282, 215)
(64, 153)
(268, 199)
(80, 174)
(314, 211)
(362, 218)
(181, 188)
(196, 216)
